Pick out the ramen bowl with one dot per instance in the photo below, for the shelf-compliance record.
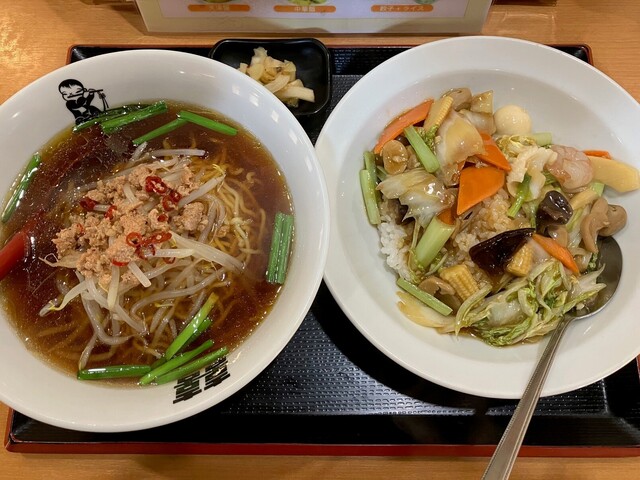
(36, 114)
(590, 112)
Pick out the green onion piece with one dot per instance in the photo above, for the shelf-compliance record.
(423, 152)
(272, 265)
(113, 124)
(542, 139)
(175, 362)
(280, 248)
(201, 328)
(433, 239)
(207, 123)
(113, 371)
(597, 187)
(108, 114)
(191, 328)
(162, 130)
(424, 297)
(23, 184)
(286, 237)
(521, 194)
(158, 362)
(369, 197)
(192, 366)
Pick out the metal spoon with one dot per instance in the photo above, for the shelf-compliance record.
(507, 450)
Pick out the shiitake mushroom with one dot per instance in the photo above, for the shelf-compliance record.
(494, 254)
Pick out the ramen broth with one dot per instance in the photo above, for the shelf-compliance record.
(74, 159)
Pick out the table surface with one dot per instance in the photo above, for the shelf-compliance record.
(35, 36)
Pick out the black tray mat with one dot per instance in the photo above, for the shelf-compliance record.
(331, 391)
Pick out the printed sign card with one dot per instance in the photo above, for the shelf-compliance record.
(315, 16)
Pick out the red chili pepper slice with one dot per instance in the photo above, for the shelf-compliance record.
(157, 237)
(174, 195)
(110, 212)
(88, 204)
(155, 184)
(118, 263)
(163, 217)
(134, 239)
(168, 204)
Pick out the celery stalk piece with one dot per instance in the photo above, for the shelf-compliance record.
(433, 239)
(369, 196)
(424, 297)
(370, 166)
(423, 152)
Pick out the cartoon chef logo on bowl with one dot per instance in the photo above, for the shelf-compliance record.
(80, 100)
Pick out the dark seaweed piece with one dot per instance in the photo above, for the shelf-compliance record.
(494, 254)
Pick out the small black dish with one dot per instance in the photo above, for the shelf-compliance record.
(311, 57)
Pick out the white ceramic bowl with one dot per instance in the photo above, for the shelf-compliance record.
(580, 106)
(35, 114)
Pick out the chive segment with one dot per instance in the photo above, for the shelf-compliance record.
(207, 123)
(433, 239)
(162, 130)
(193, 327)
(280, 248)
(23, 184)
(113, 371)
(201, 328)
(113, 124)
(424, 297)
(175, 362)
(107, 115)
(423, 152)
(192, 366)
(521, 194)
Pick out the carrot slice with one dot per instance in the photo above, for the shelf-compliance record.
(556, 250)
(397, 125)
(597, 153)
(476, 184)
(493, 155)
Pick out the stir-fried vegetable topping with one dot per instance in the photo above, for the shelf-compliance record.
(487, 223)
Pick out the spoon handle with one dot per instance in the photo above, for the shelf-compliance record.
(507, 450)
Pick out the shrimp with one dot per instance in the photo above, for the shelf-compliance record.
(572, 168)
